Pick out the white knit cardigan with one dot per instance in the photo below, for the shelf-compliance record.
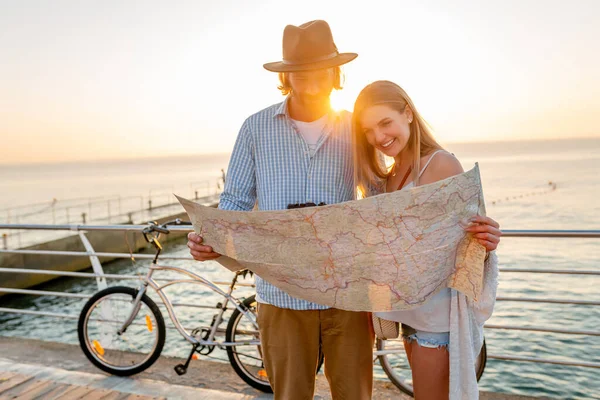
(466, 332)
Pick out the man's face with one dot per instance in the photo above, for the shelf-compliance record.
(312, 87)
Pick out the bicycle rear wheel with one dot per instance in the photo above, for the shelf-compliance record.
(246, 360)
(396, 367)
(135, 349)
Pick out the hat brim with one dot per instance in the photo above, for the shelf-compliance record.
(338, 60)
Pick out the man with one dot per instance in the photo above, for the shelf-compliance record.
(293, 154)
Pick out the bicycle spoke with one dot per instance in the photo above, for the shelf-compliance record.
(247, 362)
(248, 356)
(132, 347)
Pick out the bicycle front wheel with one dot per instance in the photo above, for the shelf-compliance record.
(130, 352)
(246, 360)
(395, 363)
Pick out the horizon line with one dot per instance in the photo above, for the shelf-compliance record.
(225, 153)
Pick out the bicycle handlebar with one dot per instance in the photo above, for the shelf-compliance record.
(154, 227)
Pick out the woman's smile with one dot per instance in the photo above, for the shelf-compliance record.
(388, 143)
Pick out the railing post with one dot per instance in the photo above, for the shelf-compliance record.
(83, 218)
(108, 210)
(196, 195)
(5, 241)
(130, 215)
(18, 231)
(149, 204)
(96, 265)
(142, 208)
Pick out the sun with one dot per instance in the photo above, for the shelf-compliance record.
(341, 100)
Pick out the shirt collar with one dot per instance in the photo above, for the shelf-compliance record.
(282, 109)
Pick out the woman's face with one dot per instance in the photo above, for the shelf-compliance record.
(386, 129)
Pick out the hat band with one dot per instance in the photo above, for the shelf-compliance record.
(314, 60)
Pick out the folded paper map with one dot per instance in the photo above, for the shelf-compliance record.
(387, 252)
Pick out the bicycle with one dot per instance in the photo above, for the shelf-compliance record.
(111, 313)
(395, 364)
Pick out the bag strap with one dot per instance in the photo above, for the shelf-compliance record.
(405, 178)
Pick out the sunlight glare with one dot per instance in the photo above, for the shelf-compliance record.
(341, 100)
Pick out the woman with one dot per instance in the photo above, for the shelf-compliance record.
(386, 122)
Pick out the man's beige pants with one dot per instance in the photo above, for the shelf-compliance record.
(290, 344)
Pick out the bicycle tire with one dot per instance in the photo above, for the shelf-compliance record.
(483, 361)
(87, 347)
(408, 389)
(250, 304)
(232, 354)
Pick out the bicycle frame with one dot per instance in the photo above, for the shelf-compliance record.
(195, 279)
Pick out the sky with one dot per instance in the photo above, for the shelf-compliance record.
(119, 79)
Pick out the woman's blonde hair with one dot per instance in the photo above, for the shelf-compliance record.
(371, 173)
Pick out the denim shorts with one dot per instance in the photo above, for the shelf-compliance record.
(433, 340)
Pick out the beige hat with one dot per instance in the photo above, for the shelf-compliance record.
(308, 47)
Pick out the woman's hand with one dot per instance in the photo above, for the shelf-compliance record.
(199, 251)
(486, 231)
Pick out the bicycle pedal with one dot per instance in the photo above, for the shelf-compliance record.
(180, 369)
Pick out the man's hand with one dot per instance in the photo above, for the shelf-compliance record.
(198, 250)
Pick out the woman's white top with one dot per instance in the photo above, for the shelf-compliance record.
(432, 316)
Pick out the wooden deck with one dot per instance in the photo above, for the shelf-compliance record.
(33, 369)
(18, 386)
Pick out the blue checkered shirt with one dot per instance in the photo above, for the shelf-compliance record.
(271, 164)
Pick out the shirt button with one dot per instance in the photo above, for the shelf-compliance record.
(308, 176)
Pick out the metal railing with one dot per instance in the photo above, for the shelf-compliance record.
(99, 274)
(99, 209)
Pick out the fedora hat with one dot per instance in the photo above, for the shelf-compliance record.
(308, 47)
